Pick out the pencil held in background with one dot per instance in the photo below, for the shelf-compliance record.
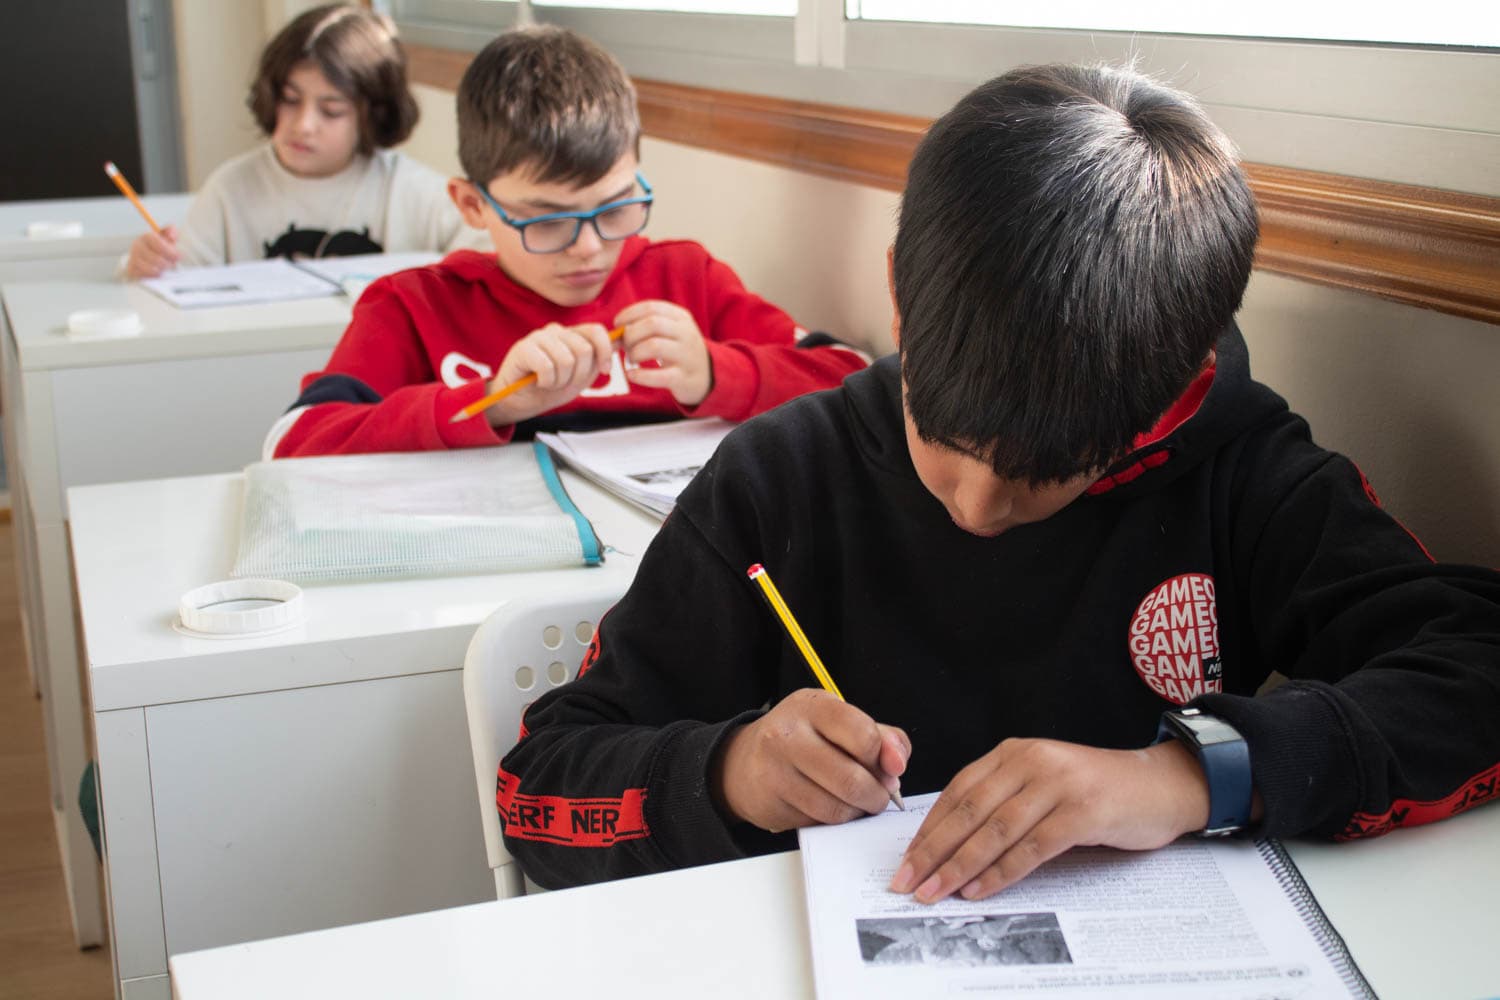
(484, 403)
(153, 252)
(129, 192)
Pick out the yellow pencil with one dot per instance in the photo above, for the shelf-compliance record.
(815, 663)
(129, 192)
(480, 405)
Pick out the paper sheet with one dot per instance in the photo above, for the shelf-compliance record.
(279, 279)
(647, 465)
(1199, 919)
(354, 273)
(239, 284)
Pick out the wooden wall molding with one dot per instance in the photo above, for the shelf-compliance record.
(1419, 246)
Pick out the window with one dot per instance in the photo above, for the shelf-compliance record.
(1437, 22)
(779, 8)
(1422, 110)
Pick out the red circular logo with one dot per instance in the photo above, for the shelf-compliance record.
(1174, 639)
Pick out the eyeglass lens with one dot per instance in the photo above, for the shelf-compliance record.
(558, 234)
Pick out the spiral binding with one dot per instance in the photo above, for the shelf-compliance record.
(1284, 870)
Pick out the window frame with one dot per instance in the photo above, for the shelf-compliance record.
(1338, 107)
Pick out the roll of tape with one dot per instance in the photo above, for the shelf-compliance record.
(52, 229)
(102, 324)
(239, 609)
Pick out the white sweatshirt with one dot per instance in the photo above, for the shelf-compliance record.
(252, 207)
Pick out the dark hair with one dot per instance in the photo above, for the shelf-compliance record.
(357, 50)
(1071, 242)
(549, 100)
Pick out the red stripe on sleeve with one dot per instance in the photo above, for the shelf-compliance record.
(556, 819)
(1478, 790)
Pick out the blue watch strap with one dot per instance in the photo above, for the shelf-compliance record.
(1225, 763)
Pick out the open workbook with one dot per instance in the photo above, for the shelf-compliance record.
(1221, 919)
(646, 465)
(278, 279)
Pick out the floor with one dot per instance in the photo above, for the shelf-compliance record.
(38, 959)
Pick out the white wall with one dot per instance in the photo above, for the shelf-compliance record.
(218, 45)
(1412, 395)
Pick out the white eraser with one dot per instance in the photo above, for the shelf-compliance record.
(102, 324)
(52, 229)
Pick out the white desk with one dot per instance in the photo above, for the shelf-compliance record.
(308, 779)
(195, 392)
(110, 225)
(1416, 909)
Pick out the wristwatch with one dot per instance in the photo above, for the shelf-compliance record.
(1225, 758)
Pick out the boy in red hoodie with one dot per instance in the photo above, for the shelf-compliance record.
(548, 138)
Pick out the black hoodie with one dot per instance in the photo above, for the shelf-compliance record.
(1226, 546)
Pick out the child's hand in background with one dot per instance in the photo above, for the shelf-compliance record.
(566, 360)
(667, 334)
(151, 254)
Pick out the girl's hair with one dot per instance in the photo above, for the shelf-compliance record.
(357, 50)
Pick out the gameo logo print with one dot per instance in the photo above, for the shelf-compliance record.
(1174, 639)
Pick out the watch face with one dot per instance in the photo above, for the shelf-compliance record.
(1207, 730)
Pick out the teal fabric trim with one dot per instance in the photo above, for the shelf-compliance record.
(592, 554)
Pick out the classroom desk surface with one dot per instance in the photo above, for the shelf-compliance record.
(138, 547)
(39, 312)
(1415, 907)
(109, 223)
(311, 778)
(193, 392)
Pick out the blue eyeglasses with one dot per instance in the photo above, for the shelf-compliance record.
(557, 231)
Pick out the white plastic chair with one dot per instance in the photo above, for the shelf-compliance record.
(518, 653)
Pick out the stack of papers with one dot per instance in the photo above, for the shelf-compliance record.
(647, 465)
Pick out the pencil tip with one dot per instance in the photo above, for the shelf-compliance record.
(896, 798)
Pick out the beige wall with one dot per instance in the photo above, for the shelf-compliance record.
(218, 45)
(1409, 394)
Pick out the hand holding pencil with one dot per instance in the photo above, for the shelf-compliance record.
(555, 363)
(813, 758)
(151, 253)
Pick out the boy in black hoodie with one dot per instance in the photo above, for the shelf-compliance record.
(1049, 552)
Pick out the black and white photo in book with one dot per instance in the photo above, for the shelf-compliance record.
(974, 939)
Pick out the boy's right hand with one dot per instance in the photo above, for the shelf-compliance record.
(811, 759)
(566, 360)
(152, 253)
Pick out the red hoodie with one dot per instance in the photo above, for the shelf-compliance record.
(423, 344)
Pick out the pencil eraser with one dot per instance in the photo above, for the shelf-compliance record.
(103, 324)
(53, 229)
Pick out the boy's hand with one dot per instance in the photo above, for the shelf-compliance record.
(667, 334)
(811, 759)
(151, 254)
(566, 359)
(1027, 801)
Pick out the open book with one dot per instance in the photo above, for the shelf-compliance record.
(646, 465)
(278, 279)
(1227, 919)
